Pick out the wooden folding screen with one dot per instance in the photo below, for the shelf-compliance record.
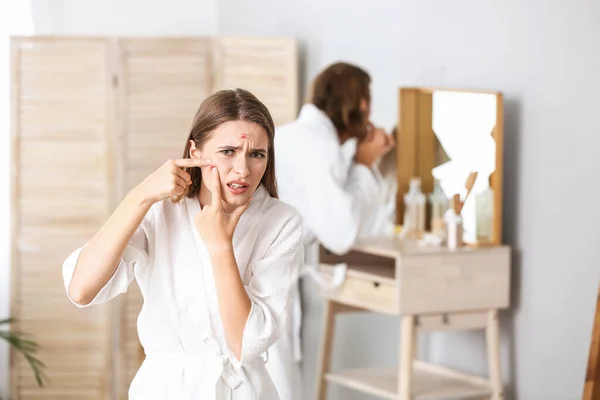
(91, 117)
(61, 120)
(266, 67)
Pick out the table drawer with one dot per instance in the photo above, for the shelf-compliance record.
(370, 288)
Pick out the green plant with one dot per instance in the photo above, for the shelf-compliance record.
(27, 347)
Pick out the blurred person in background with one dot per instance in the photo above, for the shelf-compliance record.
(326, 169)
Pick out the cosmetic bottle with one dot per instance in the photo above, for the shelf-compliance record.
(414, 210)
(454, 227)
(439, 204)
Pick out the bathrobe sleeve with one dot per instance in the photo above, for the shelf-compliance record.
(134, 256)
(337, 199)
(382, 214)
(271, 289)
(371, 205)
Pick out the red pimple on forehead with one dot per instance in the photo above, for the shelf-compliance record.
(244, 136)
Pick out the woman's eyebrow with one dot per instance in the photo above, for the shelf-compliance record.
(232, 147)
(229, 147)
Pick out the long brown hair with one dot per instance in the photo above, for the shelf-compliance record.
(338, 91)
(225, 106)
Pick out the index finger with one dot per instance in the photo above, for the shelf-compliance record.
(191, 162)
(216, 187)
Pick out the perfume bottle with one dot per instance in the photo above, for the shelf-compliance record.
(439, 205)
(454, 224)
(414, 209)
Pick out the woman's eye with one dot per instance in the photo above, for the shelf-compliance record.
(227, 152)
(257, 155)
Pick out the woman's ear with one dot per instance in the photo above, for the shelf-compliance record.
(194, 152)
(365, 107)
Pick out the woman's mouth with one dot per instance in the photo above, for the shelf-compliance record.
(237, 187)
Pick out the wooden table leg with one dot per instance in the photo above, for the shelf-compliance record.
(492, 335)
(326, 348)
(407, 356)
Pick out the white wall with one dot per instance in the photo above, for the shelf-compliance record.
(82, 17)
(543, 56)
(131, 17)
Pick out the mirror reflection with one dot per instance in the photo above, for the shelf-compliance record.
(463, 124)
(446, 158)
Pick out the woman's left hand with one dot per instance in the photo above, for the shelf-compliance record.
(214, 224)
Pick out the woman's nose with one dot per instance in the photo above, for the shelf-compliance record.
(240, 166)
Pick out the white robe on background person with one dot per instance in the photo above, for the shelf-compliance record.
(335, 197)
(187, 356)
(381, 216)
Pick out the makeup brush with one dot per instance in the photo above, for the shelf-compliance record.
(469, 186)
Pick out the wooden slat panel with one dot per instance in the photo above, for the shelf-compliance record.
(267, 67)
(49, 393)
(162, 83)
(60, 191)
(65, 152)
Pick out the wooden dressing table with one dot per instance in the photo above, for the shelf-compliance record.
(430, 289)
(445, 135)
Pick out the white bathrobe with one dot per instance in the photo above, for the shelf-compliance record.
(333, 194)
(187, 356)
(335, 197)
(381, 217)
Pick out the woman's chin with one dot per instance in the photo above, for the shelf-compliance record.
(236, 200)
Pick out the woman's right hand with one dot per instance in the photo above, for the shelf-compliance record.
(377, 144)
(169, 181)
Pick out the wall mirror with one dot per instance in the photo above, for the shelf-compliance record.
(444, 136)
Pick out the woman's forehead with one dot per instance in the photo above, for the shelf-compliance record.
(241, 130)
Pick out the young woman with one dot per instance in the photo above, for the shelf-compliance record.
(214, 252)
(326, 169)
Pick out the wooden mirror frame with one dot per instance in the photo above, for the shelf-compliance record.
(415, 151)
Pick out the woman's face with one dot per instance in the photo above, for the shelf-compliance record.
(239, 151)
